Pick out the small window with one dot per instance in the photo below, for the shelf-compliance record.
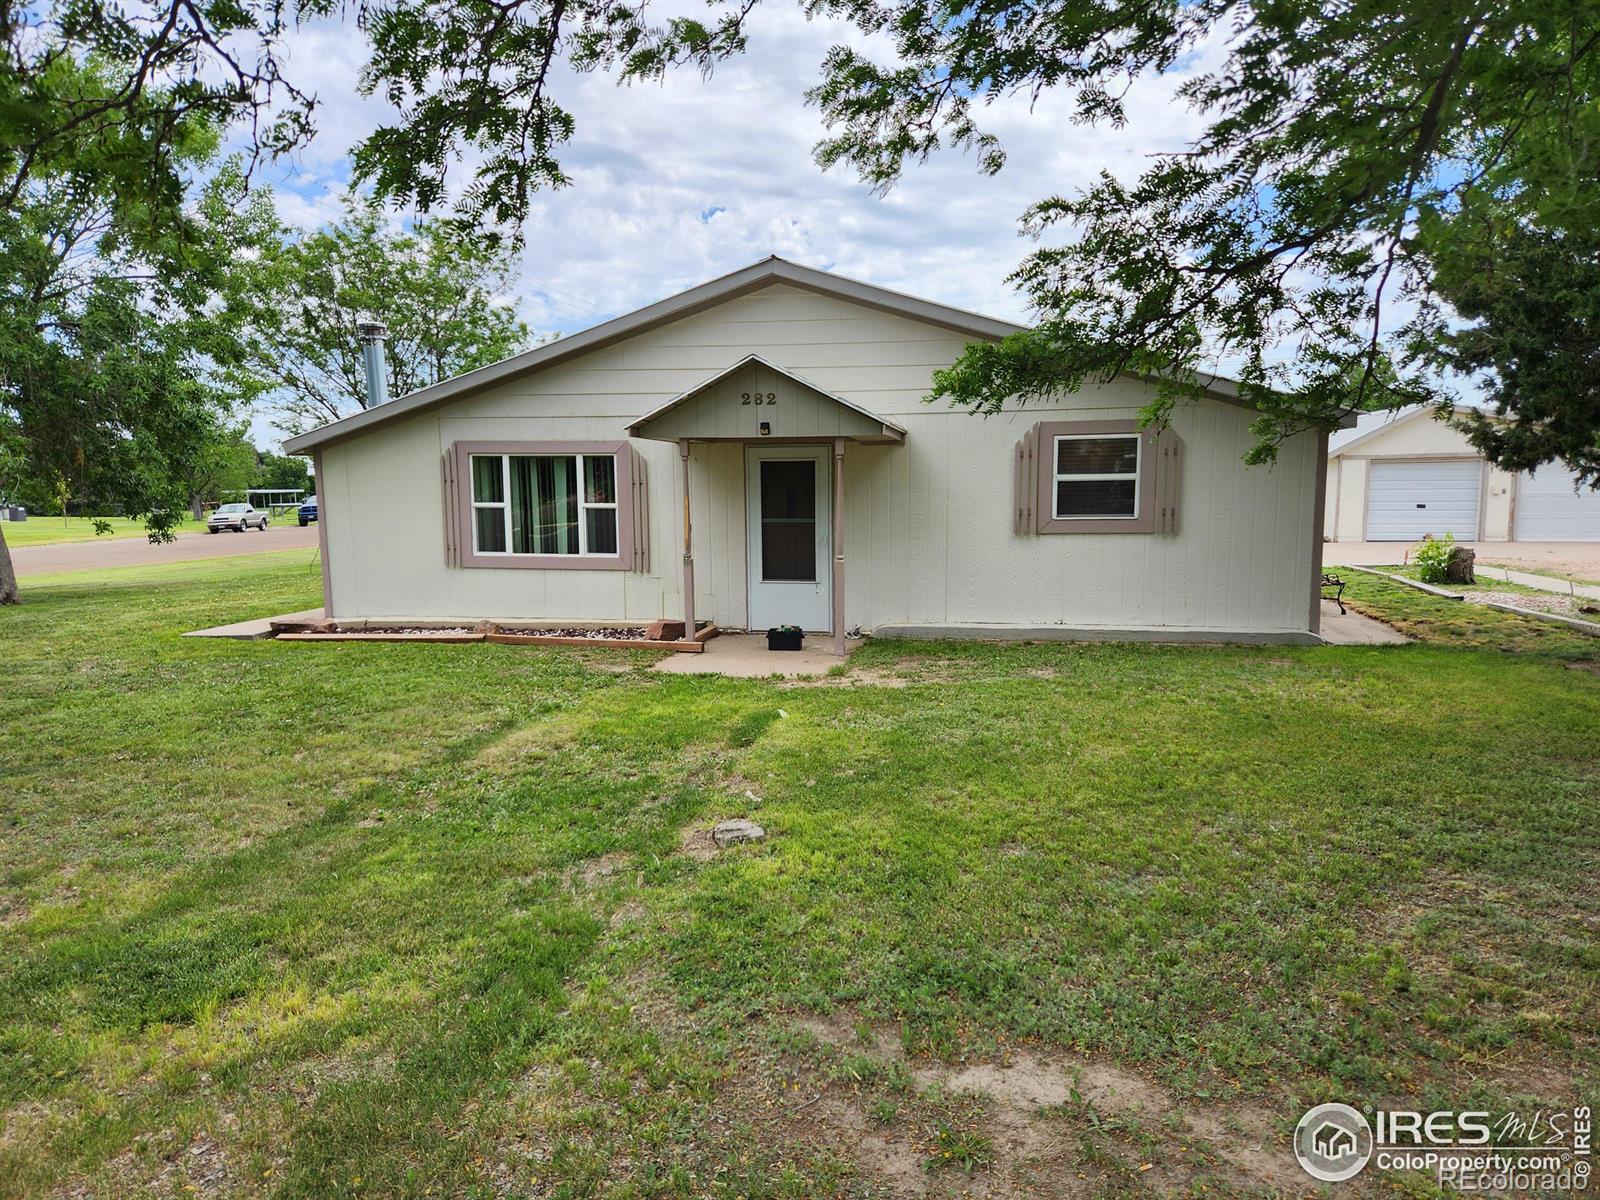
(1092, 477)
(788, 520)
(1097, 476)
(545, 504)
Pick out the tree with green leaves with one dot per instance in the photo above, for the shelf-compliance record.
(1362, 168)
(102, 390)
(281, 471)
(466, 80)
(1377, 189)
(437, 287)
(110, 335)
(224, 469)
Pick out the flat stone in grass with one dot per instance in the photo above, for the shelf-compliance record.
(732, 833)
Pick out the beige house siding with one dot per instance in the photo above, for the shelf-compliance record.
(1418, 437)
(738, 405)
(929, 535)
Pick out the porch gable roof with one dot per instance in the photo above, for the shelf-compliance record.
(734, 404)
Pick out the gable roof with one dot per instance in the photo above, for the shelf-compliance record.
(747, 279)
(865, 425)
(1349, 438)
(738, 283)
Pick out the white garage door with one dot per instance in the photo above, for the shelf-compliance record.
(1549, 510)
(1408, 499)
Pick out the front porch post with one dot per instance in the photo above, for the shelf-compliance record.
(688, 547)
(838, 546)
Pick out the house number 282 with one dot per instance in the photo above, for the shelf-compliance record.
(758, 398)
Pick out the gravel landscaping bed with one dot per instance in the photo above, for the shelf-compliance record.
(1566, 606)
(627, 633)
(441, 630)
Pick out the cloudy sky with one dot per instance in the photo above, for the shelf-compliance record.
(677, 183)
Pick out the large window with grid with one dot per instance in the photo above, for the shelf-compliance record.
(544, 504)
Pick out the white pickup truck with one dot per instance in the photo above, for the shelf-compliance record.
(237, 517)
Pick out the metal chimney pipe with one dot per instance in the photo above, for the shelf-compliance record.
(372, 334)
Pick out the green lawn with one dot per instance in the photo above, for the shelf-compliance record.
(40, 530)
(400, 920)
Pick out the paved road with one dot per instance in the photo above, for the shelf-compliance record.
(137, 551)
(1581, 559)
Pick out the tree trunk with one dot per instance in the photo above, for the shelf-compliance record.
(8, 574)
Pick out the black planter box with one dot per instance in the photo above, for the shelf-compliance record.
(784, 639)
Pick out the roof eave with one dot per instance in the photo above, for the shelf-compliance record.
(892, 432)
(746, 279)
(1394, 422)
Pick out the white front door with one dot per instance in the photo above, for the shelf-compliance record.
(787, 507)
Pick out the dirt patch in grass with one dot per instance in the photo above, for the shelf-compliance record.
(1518, 1073)
(895, 1162)
(157, 1165)
(597, 872)
(910, 669)
(903, 1140)
(1048, 1124)
(1481, 952)
(855, 677)
(695, 841)
(739, 785)
(844, 1030)
(13, 911)
(627, 913)
(1027, 1080)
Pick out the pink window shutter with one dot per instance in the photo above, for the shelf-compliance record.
(1167, 449)
(1025, 482)
(638, 484)
(452, 549)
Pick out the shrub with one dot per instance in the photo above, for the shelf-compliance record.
(1433, 558)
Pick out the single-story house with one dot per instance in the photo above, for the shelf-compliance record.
(757, 451)
(1397, 477)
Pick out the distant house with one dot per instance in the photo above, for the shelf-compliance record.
(757, 451)
(1398, 477)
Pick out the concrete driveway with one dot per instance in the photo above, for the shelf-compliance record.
(1578, 559)
(137, 551)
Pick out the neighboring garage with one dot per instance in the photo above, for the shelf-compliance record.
(1397, 479)
(1549, 508)
(1406, 500)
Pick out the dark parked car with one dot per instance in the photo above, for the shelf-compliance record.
(308, 512)
(237, 517)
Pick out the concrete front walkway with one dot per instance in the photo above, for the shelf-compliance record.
(1354, 629)
(255, 629)
(745, 656)
(1544, 583)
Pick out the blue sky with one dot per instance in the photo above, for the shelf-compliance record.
(677, 183)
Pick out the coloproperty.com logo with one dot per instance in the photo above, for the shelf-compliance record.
(1467, 1151)
(1333, 1142)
